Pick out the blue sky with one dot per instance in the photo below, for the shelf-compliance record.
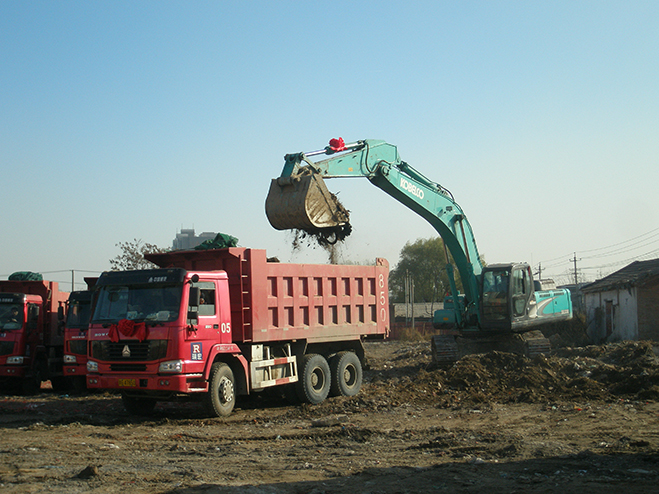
(123, 120)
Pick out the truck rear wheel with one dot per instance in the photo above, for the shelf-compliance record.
(221, 396)
(346, 374)
(138, 405)
(314, 379)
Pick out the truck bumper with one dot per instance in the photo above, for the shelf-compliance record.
(13, 371)
(177, 383)
(75, 370)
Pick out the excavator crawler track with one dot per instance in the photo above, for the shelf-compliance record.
(448, 349)
(444, 350)
(535, 344)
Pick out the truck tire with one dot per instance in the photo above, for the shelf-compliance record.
(221, 396)
(314, 379)
(138, 405)
(346, 374)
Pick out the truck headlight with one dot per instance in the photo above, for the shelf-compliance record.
(172, 366)
(92, 366)
(15, 360)
(70, 359)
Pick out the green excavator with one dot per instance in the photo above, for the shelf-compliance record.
(501, 307)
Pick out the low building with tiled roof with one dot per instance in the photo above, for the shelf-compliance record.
(624, 305)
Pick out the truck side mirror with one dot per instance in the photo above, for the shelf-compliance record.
(193, 315)
(60, 313)
(195, 296)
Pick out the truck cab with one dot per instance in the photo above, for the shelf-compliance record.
(75, 338)
(21, 342)
(152, 333)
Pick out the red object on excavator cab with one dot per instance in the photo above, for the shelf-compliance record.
(337, 145)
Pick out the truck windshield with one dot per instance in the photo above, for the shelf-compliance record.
(79, 314)
(158, 303)
(11, 316)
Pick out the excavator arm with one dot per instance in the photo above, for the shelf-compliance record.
(299, 199)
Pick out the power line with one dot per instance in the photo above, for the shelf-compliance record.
(652, 233)
(624, 241)
(637, 245)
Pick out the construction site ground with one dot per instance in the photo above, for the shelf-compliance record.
(584, 419)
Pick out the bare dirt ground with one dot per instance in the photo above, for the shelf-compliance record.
(582, 420)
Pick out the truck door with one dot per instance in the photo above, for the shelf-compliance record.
(208, 327)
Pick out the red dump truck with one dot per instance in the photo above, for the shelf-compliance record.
(214, 324)
(78, 313)
(31, 335)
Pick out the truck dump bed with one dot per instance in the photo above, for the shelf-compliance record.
(273, 301)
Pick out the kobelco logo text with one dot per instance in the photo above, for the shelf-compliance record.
(411, 188)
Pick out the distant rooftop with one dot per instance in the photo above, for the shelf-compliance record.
(637, 273)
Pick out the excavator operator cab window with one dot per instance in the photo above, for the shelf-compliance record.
(495, 295)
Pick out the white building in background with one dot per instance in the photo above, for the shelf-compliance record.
(625, 304)
(186, 239)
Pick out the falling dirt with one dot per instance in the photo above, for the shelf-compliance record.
(583, 419)
(327, 239)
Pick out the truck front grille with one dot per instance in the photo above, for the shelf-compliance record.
(128, 367)
(129, 350)
(6, 347)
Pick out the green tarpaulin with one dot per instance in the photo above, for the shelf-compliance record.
(221, 241)
(25, 276)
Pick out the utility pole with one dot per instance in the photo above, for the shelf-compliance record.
(407, 296)
(539, 270)
(574, 260)
(412, 292)
(73, 280)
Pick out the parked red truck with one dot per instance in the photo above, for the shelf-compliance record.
(78, 313)
(214, 324)
(31, 335)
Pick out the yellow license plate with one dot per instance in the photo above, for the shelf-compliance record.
(126, 383)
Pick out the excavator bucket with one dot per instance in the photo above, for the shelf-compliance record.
(303, 202)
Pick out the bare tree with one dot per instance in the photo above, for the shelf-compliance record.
(132, 256)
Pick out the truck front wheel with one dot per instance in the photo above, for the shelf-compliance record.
(346, 374)
(313, 385)
(221, 396)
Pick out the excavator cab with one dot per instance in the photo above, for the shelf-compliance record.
(507, 291)
(508, 300)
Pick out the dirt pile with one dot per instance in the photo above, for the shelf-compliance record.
(627, 371)
(583, 419)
